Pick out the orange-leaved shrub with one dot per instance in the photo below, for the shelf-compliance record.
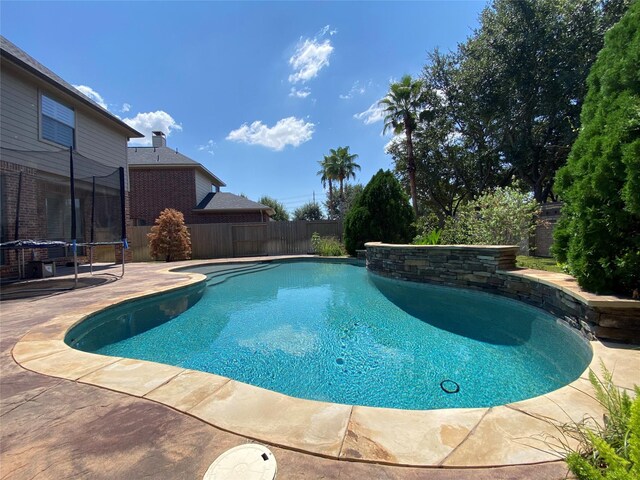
(169, 237)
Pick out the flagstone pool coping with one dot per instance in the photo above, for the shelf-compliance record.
(515, 434)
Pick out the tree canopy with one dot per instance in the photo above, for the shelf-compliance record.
(309, 211)
(281, 212)
(599, 230)
(504, 108)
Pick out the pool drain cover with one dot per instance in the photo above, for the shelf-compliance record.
(449, 386)
(244, 462)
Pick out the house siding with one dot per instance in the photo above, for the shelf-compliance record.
(19, 129)
(203, 186)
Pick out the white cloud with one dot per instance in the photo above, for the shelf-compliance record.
(327, 29)
(288, 131)
(396, 139)
(302, 93)
(373, 114)
(310, 57)
(208, 147)
(125, 108)
(92, 94)
(356, 89)
(151, 121)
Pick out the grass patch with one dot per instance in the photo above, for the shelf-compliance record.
(539, 263)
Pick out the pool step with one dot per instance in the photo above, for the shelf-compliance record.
(220, 276)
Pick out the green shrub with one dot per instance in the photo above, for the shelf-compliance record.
(381, 213)
(430, 238)
(607, 450)
(598, 233)
(501, 217)
(330, 247)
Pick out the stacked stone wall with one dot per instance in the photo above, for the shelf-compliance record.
(493, 269)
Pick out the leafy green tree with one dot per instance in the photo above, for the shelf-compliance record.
(525, 68)
(337, 211)
(401, 107)
(598, 233)
(169, 237)
(281, 212)
(309, 211)
(380, 213)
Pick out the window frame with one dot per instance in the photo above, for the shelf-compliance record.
(41, 114)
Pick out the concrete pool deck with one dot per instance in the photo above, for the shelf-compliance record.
(342, 438)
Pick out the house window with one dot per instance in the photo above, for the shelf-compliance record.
(58, 122)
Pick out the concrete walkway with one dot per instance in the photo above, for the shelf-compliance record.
(58, 428)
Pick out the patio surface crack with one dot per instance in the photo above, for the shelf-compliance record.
(471, 432)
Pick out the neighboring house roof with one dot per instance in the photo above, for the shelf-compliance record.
(228, 202)
(143, 157)
(19, 57)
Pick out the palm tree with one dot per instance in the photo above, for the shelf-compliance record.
(329, 173)
(346, 166)
(401, 107)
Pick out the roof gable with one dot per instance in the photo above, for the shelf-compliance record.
(25, 61)
(152, 157)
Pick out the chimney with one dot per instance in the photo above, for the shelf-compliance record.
(159, 139)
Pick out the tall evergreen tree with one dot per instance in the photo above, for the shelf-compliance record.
(599, 231)
(380, 213)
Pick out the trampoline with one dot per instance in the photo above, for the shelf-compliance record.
(61, 215)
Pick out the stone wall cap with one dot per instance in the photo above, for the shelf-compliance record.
(570, 286)
(444, 247)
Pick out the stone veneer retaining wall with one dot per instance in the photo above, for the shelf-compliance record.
(493, 269)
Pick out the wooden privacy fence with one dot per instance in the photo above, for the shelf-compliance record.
(223, 240)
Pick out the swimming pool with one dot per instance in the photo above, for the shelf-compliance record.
(333, 332)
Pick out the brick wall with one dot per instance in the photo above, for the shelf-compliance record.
(153, 190)
(32, 215)
(487, 268)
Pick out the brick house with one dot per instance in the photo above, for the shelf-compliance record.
(163, 178)
(42, 119)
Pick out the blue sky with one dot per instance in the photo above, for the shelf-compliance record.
(258, 92)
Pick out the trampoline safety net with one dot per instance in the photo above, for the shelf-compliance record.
(56, 199)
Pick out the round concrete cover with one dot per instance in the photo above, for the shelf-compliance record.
(244, 462)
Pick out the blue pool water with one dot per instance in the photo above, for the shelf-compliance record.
(334, 332)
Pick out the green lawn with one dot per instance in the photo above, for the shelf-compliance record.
(538, 263)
